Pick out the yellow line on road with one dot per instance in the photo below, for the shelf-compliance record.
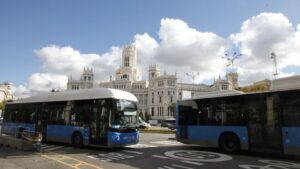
(66, 160)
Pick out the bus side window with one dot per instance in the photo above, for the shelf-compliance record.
(7, 115)
(80, 114)
(73, 119)
(13, 116)
(208, 114)
(67, 112)
(76, 119)
(291, 109)
(60, 117)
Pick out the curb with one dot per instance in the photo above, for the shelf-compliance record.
(158, 131)
(16, 143)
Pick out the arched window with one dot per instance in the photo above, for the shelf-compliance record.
(126, 61)
(124, 76)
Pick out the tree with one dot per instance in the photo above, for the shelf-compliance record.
(2, 105)
(254, 88)
(173, 108)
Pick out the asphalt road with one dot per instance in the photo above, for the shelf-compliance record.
(155, 151)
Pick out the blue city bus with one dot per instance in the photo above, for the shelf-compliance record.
(94, 117)
(232, 121)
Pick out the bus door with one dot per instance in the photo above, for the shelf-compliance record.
(99, 123)
(263, 124)
(183, 122)
(41, 125)
(94, 125)
(272, 127)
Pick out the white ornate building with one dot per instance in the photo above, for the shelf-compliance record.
(86, 80)
(159, 92)
(5, 91)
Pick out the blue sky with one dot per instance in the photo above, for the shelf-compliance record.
(95, 26)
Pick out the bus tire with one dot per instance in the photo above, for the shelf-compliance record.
(77, 139)
(229, 143)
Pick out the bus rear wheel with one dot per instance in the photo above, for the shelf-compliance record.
(77, 140)
(229, 143)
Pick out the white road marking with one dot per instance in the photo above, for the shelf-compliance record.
(111, 156)
(133, 152)
(192, 162)
(158, 156)
(269, 164)
(166, 167)
(141, 146)
(281, 163)
(44, 146)
(93, 157)
(197, 156)
(54, 148)
(115, 156)
(173, 143)
(180, 166)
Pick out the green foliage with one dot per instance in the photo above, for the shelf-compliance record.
(2, 105)
(173, 107)
(254, 88)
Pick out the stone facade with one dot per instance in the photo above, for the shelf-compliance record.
(232, 79)
(86, 80)
(157, 94)
(5, 91)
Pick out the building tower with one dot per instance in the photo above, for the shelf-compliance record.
(87, 78)
(129, 56)
(232, 78)
(129, 70)
(154, 71)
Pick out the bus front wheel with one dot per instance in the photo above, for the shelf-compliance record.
(229, 143)
(77, 139)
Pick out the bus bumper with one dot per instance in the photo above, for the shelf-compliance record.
(117, 139)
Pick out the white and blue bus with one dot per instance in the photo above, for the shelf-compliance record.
(96, 117)
(233, 121)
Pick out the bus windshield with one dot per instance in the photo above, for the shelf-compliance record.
(125, 115)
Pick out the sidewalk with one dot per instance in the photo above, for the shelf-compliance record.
(157, 129)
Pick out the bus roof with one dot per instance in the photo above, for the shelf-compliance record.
(82, 94)
(228, 93)
(213, 94)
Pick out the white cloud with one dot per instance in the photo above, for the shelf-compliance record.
(67, 61)
(259, 37)
(182, 49)
(185, 50)
(181, 44)
(146, 50)
(40, 83)
(44, 82)
(20, 91)
(61, 62)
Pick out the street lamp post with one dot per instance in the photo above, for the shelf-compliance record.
(193, 75)
(231, 58)
(273, 56)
